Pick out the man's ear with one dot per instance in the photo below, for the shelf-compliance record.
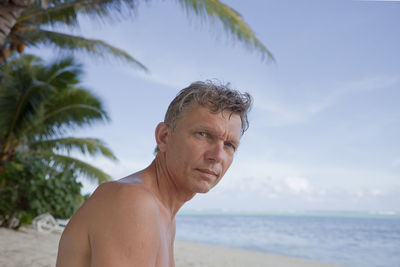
(162, 134)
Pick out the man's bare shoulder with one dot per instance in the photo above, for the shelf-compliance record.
(124, 188)
(122, 225)
(113, 202)
(122, 200)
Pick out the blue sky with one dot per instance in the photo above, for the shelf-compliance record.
(325, 123)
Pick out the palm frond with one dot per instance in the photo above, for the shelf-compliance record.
(91, 146)
(231, 21)
(73, 107)
(66, 12)
(62, 13)
(62, 162)
(78, 43)
(38, 99)
(20, 96)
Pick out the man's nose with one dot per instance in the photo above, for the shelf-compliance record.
(215, 152)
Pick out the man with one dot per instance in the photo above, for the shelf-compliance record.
(131, 222)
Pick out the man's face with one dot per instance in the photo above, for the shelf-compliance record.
(201, 148)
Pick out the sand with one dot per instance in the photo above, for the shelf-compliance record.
(29, 248)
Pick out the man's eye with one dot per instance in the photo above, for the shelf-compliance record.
(230, 145)
(202, 133)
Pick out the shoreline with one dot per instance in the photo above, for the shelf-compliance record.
(318, 214)
(27, 247)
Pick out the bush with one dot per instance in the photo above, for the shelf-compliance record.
(28, 190)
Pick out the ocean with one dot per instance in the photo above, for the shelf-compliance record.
(369, 241)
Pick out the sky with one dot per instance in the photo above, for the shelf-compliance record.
(325, 122)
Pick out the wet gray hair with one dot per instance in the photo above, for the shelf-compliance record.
(216, 97)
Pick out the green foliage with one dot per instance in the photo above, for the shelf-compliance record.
(231, 20)
(71, 43)
(28, 189)
(38, 25)
(39, 104)
(86, 197)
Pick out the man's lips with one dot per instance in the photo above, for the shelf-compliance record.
(207, 171)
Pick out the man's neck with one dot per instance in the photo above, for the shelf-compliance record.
(165, 188)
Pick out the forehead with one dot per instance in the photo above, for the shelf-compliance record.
(197, 116)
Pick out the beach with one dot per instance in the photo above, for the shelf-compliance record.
(27, 247)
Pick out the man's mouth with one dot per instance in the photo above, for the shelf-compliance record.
(208, 172)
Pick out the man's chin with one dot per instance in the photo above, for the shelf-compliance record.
(203, 186)
(204, 190)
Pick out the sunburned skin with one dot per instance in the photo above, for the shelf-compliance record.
(131, 222)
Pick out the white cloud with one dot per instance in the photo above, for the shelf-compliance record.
(376, 192)
(297, 184)
(254, 179)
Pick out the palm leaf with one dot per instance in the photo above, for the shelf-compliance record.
(77, 43)
(38, 103)
(62, 162)
(231, 21)
(91, 146)
(44, 99)
(75, 107)
(20, 97)
(66, 12)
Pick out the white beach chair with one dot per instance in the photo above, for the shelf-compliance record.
(46, 223)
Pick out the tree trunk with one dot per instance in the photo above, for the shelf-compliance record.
(10, 11)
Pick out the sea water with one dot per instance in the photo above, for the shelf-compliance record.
(347, 241)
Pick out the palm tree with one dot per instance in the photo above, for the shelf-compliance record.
(39, 104)
(26, 22)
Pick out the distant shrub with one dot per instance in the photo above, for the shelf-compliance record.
(28, 189)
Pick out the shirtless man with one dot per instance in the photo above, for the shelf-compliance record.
(131, 222)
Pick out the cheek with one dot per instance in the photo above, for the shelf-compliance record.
(227, 163)
(180, 154)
